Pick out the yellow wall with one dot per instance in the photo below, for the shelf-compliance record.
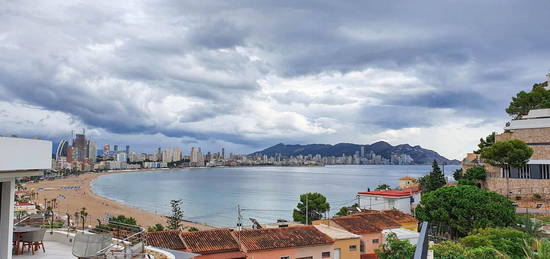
(410, 226)
(320, 222)
(344, 244)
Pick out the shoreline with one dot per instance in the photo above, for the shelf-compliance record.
(80, 194)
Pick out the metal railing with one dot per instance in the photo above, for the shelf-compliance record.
(129, 246)
(422, 245)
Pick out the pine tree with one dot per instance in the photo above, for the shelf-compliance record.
(174, 220)
(434, 180)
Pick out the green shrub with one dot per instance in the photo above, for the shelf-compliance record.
(507, 241)
(448, 250)
(464, 208)
(483, 252)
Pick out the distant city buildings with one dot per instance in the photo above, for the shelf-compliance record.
(82, 155)
(360, 157)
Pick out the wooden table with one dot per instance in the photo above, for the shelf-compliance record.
(18, 231)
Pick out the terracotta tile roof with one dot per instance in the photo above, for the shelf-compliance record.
(356, 225)
(408, 178)
(210, 241)
(399, 216)
(275, 238)
(369, 256)
(379, 220)
(165, 239)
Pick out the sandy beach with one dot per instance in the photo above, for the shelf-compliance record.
(71, 200)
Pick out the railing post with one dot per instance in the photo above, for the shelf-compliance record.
(422, 244)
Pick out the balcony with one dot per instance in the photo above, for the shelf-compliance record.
(59, 244)
(19, 157)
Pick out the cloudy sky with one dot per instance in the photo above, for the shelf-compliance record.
(249, 74)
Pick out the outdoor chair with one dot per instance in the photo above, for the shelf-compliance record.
(33, 240)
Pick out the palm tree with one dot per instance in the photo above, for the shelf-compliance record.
(76, 217)
(531, 226)
(83, 215)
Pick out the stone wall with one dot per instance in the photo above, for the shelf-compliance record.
(521, 187)
(518, 187)
(542, 135)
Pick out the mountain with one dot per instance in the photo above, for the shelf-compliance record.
(419, 154)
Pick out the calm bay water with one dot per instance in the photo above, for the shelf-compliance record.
(210, 195)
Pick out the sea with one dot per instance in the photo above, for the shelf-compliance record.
(212, 195)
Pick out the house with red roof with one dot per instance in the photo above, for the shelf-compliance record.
(208, 244)
(212, 244)
(370, 234)
(285, 243)
(404, 200)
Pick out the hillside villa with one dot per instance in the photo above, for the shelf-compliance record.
(533, 178)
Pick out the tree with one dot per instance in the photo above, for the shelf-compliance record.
(475, 173)
(538, 98)
(123, 219)
(512, 152)
(507, 241)
(193, 229)
(383, 187)
(175, 219)
(530, 226)
(83, 214)
(472, 176)
(155, 228)
(317, 205)
(346, 210)
(464, 208)
(434, 180)
(393, 248)
(457, 175)
(487, 142)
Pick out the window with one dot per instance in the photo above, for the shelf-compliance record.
(375, 241)
(505, 172)
(352, 247)
(545, 171)
(524, 172)
(285, 257)
(325, 254)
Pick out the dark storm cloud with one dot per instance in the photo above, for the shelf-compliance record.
(172, 67)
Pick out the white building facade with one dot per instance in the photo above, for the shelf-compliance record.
(404, 201)
(18, 158)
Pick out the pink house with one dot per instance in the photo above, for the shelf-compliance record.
(301, 242)
(371, 235)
